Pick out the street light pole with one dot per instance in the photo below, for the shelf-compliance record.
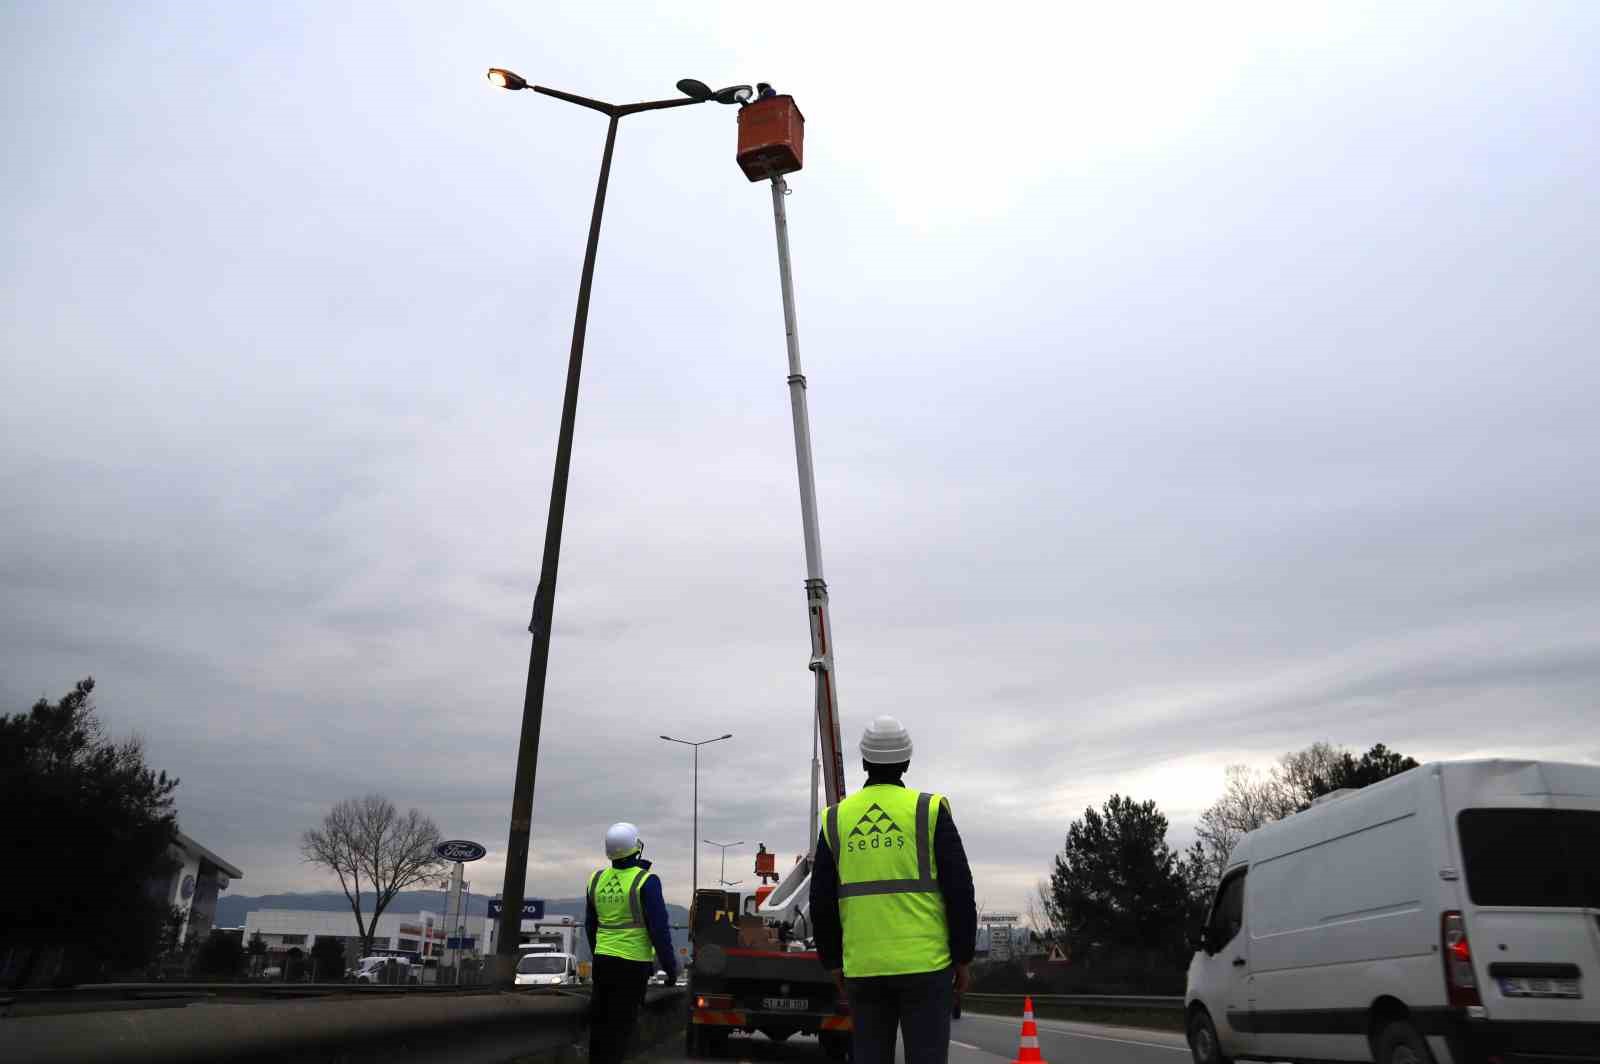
(508, 937)
(693, 849)
(722, 876)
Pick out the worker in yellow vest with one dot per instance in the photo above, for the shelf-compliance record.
(892, 906)
(629, 935)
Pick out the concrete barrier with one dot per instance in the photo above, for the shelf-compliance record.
(494, 1027)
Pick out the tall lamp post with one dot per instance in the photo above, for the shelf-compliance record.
(693, 848)
(722, 876)
(510, 925)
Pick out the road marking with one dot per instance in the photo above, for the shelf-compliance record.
(1096, 1037)
(969, 1045)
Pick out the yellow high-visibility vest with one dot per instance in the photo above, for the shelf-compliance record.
(889, 901)
(622, 931)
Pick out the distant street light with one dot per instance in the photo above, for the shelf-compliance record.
(722, 876)
(506, 944)
(692, 847)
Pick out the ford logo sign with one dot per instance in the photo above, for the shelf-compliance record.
(459, 850)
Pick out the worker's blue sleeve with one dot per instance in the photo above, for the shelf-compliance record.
(591, 922)
(655, 918)
(826, 930)
(955, 886)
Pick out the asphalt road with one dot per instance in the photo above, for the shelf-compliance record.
(978, 1039)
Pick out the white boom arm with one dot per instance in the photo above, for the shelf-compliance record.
(827, 707)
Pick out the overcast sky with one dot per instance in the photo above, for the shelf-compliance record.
(1188, 384)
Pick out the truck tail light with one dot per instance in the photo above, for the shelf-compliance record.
(1460, 984)
(714, 1001)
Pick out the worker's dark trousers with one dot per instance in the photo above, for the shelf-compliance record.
(614, 1009)
(918, 1005)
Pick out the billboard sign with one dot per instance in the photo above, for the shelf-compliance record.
(532, 908)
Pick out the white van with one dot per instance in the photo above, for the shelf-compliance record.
(376, 970)
(546, 968)
(1450, 913)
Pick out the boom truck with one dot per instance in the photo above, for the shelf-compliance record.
(753, 967)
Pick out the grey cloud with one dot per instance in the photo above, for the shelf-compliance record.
(1252, 409)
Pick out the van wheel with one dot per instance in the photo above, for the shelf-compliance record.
(1399, 1043)
(1203, 1042)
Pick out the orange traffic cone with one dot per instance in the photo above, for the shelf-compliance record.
(1028, 1052)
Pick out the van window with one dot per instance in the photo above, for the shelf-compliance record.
(1227, 915)
(541, 964)
(1532, 857)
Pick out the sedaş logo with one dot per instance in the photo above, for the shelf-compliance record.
(876, 830)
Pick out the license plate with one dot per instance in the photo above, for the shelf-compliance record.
(785, 1004)
(1545, 988)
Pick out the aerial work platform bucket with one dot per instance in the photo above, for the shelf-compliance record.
(771, 138)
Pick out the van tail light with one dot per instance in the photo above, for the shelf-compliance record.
(714, 1001)
(1460, 984)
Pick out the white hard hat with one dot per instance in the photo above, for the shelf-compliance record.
(885, 742)
(622, 840)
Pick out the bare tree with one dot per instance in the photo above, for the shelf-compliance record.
(1040, 913)
(371, 847)
(1248, 800)
(1306, 772)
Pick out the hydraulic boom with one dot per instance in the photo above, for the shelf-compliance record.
(827, 705)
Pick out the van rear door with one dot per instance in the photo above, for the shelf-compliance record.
(1533, 878)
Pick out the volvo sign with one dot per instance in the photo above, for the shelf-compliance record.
(459, 850)
(532, 908)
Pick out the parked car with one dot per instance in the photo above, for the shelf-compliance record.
(375, 970)
(1449, 914)
(547, 969)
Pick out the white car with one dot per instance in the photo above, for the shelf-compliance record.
(547, 969)
(1447, 915)
(374, 970)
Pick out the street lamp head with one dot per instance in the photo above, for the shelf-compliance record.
(506, 79)
(740, 94)
(722, 737)
(695, 90)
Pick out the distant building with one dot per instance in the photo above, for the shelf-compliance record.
(420, 934)
(193, 886)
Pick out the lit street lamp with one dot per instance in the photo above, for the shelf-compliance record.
(544, 597)
(696, 834)
(722, 876)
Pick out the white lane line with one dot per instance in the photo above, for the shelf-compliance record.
(1095, 1037)
(969, 1045)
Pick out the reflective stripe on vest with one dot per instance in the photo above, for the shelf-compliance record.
(890, 905)
(621, 931)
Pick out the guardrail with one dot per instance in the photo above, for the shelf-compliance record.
(198, 1023)
(1130, 1010)
(1153, 1002)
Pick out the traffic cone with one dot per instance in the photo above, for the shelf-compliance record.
(1028, 1052)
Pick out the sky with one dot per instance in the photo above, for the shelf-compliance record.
(1187, 385)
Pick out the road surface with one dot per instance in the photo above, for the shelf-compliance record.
(979, 1039)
